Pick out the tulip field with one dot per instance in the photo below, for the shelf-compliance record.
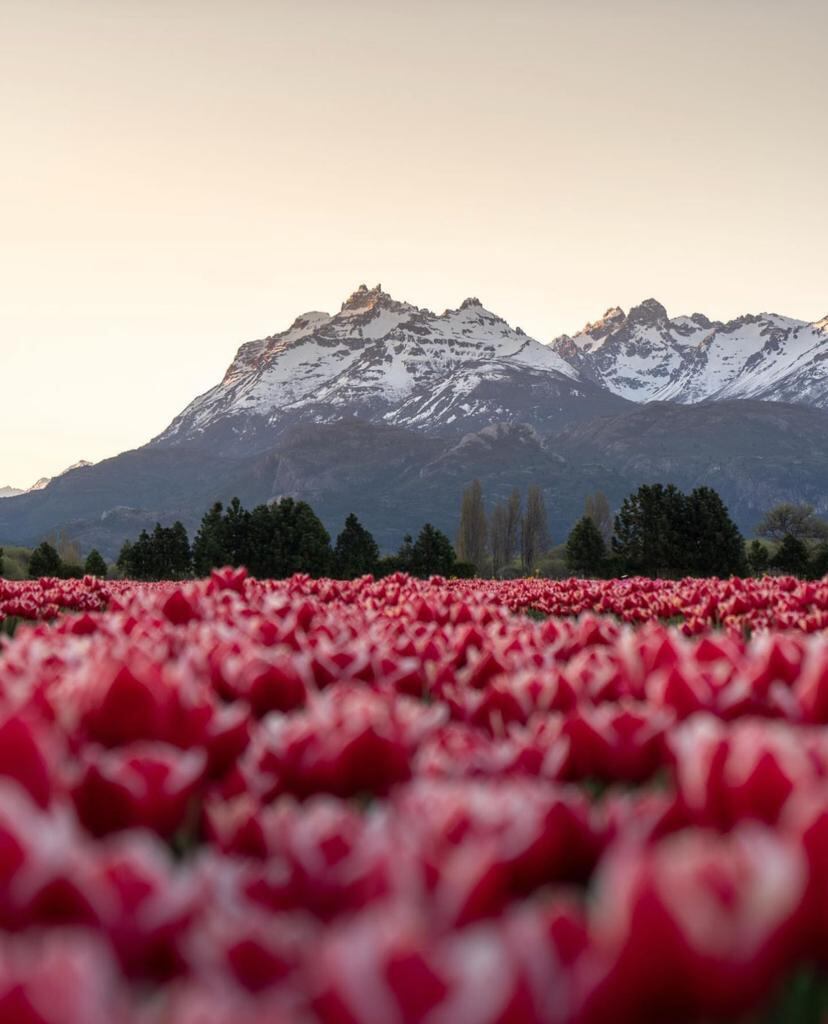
(398, 801)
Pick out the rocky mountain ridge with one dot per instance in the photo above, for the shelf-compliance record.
(389, 362)
(646, 355)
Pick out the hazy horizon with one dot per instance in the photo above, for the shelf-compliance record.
(182, 177)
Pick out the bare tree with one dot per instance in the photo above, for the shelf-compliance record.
(472, 538)
(597, 508)
(514, 518)
(499, 537)
(535, 532)
(797, 520)
(67, 547)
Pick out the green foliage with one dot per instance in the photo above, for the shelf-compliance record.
(70, 571)
(95, 564)
(818, 566)
(45, 561)
(236, 535)
(659, 531)
(798, 521)
(272, 541)
(287, 538)
(648, 529)
(210, 550)
(792, 556)
(714, 545)
(432, 554)
(356, 552)
(388, 565)
(586, 551)
(464, 570)
(162, 555)
(16, 562)
(758, 558)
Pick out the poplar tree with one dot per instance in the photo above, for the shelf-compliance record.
(514, 519)
(535, 531)
(499, 537)
(472, 539)
(597, 507)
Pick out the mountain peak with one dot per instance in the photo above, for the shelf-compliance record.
(365, 298)
(650, 311)
(610, 321)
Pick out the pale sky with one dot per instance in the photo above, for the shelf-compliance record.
(180, 176)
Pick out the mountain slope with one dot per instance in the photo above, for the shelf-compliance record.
(389, 411)
(647, 356)
(39, 485)
(385, 361)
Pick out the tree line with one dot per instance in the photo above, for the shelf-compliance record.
(51, 559)
(660, 531)
(657, 531)
(276, 540)
(510, 534)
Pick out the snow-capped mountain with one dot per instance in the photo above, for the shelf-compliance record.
(645, 355)
(43, 482)
(389, 411)
(390, 362)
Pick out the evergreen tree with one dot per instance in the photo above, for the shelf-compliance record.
(162, 555)
(713, 545)
(210, 549)
(356, 552)
(294, 540)
(432, 553)
(648, 531)
(405, 556)
(792, 556)
(818, 566)
(586, 551)
(95, 565)
(45, 561)
(175, 557)
(124, 560)
(235, 533)
(758, 558)
(535, 529)
(472, 538)
(263, 551)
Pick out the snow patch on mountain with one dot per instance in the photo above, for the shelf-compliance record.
(647, 356)
(379, 358)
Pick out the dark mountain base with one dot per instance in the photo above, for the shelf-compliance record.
(754, 453)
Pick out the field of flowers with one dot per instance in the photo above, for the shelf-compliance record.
(407, 802)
